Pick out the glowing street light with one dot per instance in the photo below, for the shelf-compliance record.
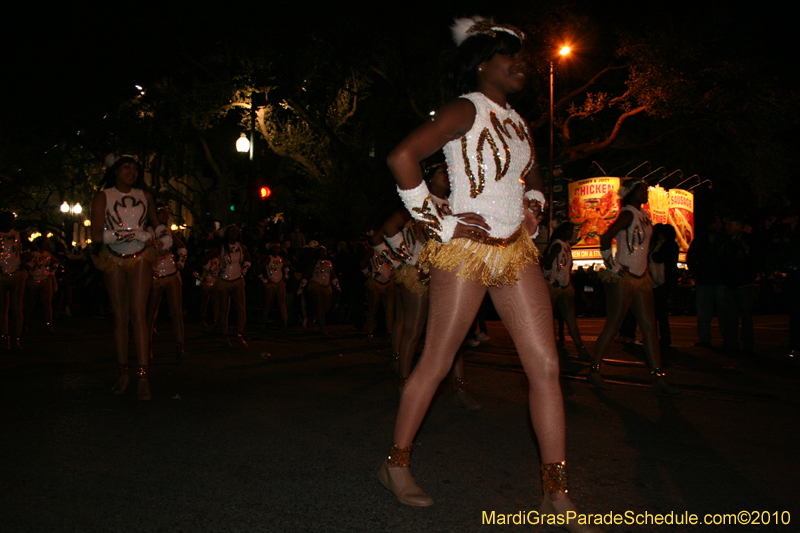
(65, 208)
(243, 144)
(77, 209)
(564, 52)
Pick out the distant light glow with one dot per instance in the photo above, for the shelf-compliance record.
(49, 235)
(65, 207)
(565, 50)
(174, 227)
(87, 222)
(265, 193)
(77, 209)
(242, 144)
(139, 87)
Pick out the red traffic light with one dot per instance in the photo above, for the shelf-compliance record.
(265, 192)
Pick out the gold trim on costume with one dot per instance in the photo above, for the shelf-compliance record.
(490, 264)
(109, 261)
(411, 278)
(642, 283)
(554, 477)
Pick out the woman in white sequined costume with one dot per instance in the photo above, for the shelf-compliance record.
(319, 282)
(41, 265)
(167, 280)
(406, 240)
(482, 247)
(234, 260)
(121, 212)
(12, 283)
(558, 274)
(377, 267)
(628, 284)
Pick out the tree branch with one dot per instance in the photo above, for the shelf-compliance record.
(584, 149)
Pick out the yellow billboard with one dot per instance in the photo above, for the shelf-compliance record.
(593, 207)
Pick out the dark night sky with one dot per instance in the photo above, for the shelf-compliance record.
(71, 57)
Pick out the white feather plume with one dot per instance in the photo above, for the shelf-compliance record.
(461, 26)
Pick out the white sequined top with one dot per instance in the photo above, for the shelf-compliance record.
(276, 269)
(210, 272)
(41, 265)
(124, 212)
(559, 272)
(487, 166)
(633, 243)
(322, 272)
(10, 247)
(231, 260)
(164, 266)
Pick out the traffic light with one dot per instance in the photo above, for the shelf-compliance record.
(264, 192)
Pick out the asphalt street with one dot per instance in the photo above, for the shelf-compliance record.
(288, 435)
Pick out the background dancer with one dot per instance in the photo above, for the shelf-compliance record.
(407, 240)
(120, 213)
(274, 273)
(234, 261)
(558, 273)
(167, 279)
(41, 265)
(469, 254)
(13, 278)
(628, 284)
(319, 281)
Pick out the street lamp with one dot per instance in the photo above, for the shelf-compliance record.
(565, 50)
(242, 144)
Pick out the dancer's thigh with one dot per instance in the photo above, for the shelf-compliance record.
(454, 302)
(526, 312)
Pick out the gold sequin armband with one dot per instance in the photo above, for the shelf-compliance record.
(419, 203)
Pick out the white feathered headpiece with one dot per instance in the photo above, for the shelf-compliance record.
(464, 28)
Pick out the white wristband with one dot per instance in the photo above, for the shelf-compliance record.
(385, 254)
(536, 196)
(420, 205)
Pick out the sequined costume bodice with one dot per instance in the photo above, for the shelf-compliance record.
(488, 164)
(41, 264)
(124, 212)
(210, 272)
(231, 260)
(559, 272)
(164, 266)
(633, 242)
(275, 269)
(10, 247)
(322, 272)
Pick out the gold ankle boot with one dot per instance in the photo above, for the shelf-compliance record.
(143, 384)
(395, 475)
(554, 479)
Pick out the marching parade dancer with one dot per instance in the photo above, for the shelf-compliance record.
(234, 262)
(121, 212)
(558, 273)
(407, 241)
(483, 246)
(273, 273)
(628, 284)
(320, 282)
(13, 279)
(41, 265)
(380, 286)
(167, 280)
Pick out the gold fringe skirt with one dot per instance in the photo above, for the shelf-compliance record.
(493, 264)
(412, 279)
(559, 292)
(109, 262)
(643, 283)
(169, 279)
